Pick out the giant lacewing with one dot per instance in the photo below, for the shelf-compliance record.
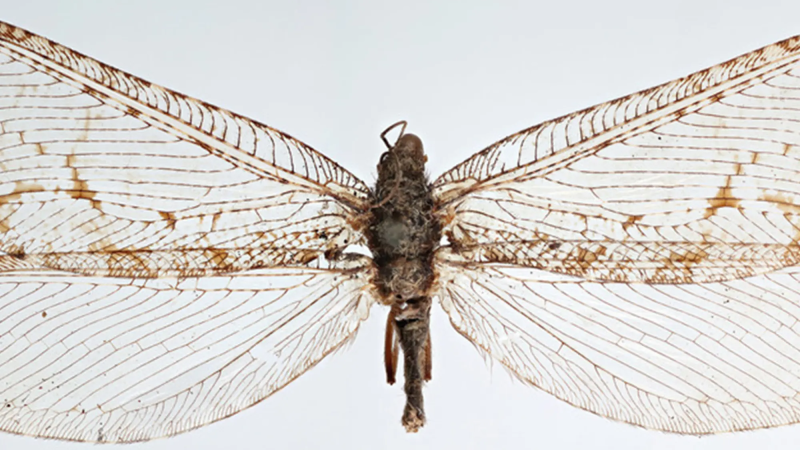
(166, 263)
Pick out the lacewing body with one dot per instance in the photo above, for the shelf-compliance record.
(165, 263)
(402, 234)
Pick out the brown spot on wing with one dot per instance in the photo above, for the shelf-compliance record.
(724, 198)
(80, 189)
(630, 221)
(21, 187)
(101, 245)
(133, 112)
(304, 257)
(783, 201)
(15, 250)
(169, 217)
(687, 259)
(220, 259)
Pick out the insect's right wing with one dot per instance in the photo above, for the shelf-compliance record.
(639, 259)
(112, 359)
(98, 164)
(164, 263)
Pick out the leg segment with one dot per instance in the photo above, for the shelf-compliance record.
(390, 349)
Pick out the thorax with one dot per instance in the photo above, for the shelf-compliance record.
(403, 231)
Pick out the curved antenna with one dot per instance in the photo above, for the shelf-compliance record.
(402, 123)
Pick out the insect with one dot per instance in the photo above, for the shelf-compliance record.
(167, 263)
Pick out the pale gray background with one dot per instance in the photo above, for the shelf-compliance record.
(464, 74)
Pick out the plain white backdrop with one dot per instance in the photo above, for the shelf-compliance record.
(464, 74)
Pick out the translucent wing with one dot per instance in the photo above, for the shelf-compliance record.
(686, 358)
(115, 195)
(695, 180)
(112, 359)
(639, 259)
(97, 161)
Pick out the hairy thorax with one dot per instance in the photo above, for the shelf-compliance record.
(403, 231)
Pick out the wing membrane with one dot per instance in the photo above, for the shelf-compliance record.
(534, 150)
(639, 262)
(116, 196)
(703, 358)
(690, 181)
(639, 259)
(120, 360)
(96, 160)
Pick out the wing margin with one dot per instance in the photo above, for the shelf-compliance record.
(246, 143)
(547, 146)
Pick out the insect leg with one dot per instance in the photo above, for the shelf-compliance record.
(428, 359)
(390, 350)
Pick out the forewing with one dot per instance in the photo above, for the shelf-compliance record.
(701, 358)
(112, 359)
(97, 161)
(696, 180)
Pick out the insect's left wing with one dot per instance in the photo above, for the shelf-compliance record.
(694, 180)
(614, 216)
(115, 196)
(685, 358)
